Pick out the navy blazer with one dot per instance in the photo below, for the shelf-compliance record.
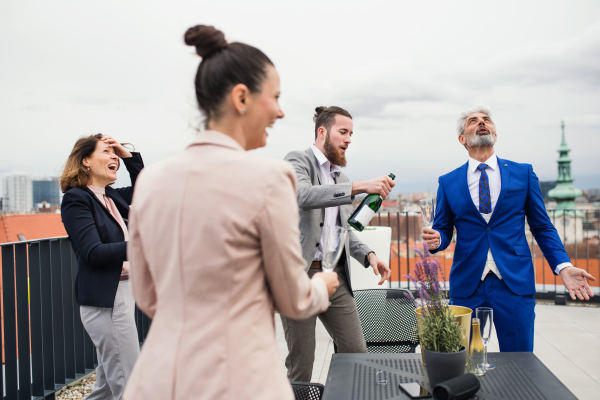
(520, 197)
(97, 238)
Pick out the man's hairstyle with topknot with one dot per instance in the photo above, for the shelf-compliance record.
(325, 117)
(223, 66)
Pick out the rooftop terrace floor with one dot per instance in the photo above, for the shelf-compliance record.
(567, 341)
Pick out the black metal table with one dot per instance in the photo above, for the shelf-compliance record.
(517, 376)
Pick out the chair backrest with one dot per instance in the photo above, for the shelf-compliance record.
(307, 390)
(388, 319)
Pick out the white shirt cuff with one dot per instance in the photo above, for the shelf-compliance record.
(562, 266)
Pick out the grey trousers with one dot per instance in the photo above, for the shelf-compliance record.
(114, 334)
(341, 322)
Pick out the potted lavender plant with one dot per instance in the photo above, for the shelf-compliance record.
(443, 329)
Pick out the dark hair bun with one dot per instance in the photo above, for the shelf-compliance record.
(318, 112)
(206, 39)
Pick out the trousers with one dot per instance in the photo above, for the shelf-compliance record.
(341, 322)
(514, 315)
(114, 334)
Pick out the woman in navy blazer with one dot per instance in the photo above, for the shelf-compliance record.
(95, 217)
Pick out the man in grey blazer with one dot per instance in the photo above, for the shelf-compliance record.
(325, 197)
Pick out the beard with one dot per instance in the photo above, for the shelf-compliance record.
(334, 154)
(476, 140)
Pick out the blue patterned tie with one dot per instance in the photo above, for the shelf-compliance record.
(485, 201)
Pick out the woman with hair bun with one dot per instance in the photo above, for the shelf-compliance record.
(214, 247)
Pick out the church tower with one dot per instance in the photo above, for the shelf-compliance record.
(566, 219)
(564, 193)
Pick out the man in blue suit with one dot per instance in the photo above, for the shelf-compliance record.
(487, 200)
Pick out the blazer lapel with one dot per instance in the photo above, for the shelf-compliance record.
(103, 206)
(504, 181)
(464, 188)
(316, 165)
(121, 204)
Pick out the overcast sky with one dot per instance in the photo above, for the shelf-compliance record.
(403, 69)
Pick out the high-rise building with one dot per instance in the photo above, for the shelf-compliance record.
(45, 189)
(17, 193)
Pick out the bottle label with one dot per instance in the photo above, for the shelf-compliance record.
(365, 215)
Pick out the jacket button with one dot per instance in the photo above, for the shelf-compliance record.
(489, 229)
(317, 244)
(321, 224)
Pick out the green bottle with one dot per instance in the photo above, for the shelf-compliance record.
(366, 210)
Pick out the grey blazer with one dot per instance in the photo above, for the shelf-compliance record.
(313, 198)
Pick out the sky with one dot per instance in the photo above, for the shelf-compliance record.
(405, 70)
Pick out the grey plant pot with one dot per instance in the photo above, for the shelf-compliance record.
(443, 366)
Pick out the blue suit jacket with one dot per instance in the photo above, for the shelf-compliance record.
(520, 197)
(97, 238)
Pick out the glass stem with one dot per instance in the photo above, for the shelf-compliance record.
(485, 363)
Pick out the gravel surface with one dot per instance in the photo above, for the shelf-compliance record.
(78, 391)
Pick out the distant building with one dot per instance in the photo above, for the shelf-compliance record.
(45, 190)
(566, 218)
(545, 187)
(18, 195)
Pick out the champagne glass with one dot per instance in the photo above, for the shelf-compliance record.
(333, 245)
(427, 212)
(486, 318)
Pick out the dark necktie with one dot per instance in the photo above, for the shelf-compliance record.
(485, 200)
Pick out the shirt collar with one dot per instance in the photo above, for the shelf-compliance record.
(491, 162)
(97, 190)
(323, 161)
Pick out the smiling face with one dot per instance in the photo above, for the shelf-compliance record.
(103, 164)
(262, 111)
(479, 131)
(338, 139)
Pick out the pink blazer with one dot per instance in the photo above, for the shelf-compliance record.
(214, 251)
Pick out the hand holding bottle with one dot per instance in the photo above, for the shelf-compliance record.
(331, 280)
(381, 186)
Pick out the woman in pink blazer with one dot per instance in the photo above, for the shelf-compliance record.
(214, 247)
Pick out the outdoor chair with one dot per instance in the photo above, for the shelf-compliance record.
(307, 390)
(388, 320)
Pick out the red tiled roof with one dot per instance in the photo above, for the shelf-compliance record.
(2, 233)
(32, 226)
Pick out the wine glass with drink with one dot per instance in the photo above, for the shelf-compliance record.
(427, 212)
(486, 321)
(333, 245)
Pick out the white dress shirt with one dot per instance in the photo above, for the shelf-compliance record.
(494, 180)
(328, 173)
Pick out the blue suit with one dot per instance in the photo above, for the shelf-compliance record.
(511, 297)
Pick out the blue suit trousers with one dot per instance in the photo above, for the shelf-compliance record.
(514, 315)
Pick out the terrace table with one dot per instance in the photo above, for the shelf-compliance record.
(517, 376)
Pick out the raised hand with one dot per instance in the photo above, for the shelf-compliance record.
(120, 151)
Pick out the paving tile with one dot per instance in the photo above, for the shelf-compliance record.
(589, 363)
(566, 371)
(584, 389)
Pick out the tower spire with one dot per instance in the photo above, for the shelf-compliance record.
(564, 193)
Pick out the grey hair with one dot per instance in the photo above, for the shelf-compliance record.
(462, 119)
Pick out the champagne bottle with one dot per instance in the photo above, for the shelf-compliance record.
(476, 350)
(366, 210)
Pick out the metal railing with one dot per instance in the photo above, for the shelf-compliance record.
(45, 346)
(579, 230)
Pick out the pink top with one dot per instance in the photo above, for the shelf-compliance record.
(112, 209)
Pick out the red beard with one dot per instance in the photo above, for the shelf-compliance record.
(334, 154)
